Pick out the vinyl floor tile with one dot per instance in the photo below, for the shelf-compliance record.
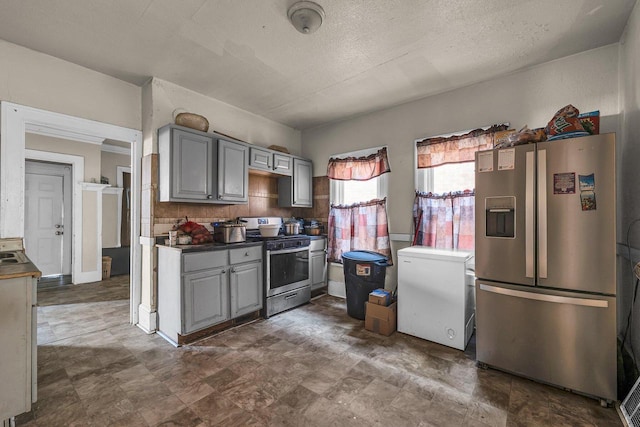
(311, 366)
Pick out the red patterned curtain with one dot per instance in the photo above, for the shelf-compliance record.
(455, 149)
(445, 221)
(361, 226)
(359, 168)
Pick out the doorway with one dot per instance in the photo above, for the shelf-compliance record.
(17, 120)
(48, 218)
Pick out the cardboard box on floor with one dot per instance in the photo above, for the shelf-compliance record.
(380, 297)
(380, 319)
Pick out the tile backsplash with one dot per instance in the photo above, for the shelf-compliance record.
(263, 201)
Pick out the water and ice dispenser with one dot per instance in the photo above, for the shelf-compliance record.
(500, 216)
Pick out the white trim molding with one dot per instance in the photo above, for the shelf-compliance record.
(77, 174)
(118, 193)
(15, 121)
(116, 149)
(120, 170)
(96, 275)
(147, 319)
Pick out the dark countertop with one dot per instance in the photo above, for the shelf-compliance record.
(210, 246)
(22, 269)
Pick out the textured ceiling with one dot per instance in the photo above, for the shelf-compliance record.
(368, 54)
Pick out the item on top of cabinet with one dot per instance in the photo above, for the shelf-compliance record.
(193, 121)
(565, 124)
(279, 148)
(591, 122)
(269, 230)
(523, 136)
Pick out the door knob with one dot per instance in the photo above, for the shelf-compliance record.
(59, 233)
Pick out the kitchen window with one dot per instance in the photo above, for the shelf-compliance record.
(443, 210)
(358, 190)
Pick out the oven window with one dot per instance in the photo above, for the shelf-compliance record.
(288, 268)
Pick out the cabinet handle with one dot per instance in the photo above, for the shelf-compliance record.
(246, 254)
(233, 270)
(220, 197)
(209, 196)
(224, 272)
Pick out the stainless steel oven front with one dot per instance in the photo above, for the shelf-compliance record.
(287, 278)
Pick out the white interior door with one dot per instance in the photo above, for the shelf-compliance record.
(47, 216)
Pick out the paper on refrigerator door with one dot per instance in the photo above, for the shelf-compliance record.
(485, 161)
(507, 159)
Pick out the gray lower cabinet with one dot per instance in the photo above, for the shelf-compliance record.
(205, 297)
(246, 297)
(297, 190)
(197, 290)
(318, 263)
(201, 167)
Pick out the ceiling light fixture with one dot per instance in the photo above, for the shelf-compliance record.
(306, 16)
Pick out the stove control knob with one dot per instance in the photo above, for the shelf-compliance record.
(281, 245)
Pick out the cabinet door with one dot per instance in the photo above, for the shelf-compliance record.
(282, 164)
(318, 266)
(233, 185)
(205, 299)
(260, 159)
(302, 183)
(246, 288)
(191, 166)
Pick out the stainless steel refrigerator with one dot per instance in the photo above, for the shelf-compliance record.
(546, 262)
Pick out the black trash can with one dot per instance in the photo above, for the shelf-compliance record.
(364, 271)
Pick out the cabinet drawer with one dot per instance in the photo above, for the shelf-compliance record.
(204, 260)
(253, 253)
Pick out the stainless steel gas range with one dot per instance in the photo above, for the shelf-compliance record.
(286, 267)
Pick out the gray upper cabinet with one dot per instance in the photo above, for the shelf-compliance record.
(270, 161)
(198, 167)
(282, 164)
(297, 190)
(186, 165)
(233, 181)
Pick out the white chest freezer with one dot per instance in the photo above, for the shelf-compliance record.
(436, 295)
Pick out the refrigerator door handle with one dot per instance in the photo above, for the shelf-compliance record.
(529, 235)
(545, 297)
(542, 214)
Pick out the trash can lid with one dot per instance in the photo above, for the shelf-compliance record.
(365, 256)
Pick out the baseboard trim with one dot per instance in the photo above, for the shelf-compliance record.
(147, 319)
(336, 289)
(87, 277)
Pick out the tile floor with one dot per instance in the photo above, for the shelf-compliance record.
(312, 366)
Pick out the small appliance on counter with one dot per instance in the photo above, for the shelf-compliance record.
(312, 227)
(230, 231)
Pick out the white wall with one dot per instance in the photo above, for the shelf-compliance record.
(37, 80)
(165, 97)
(629, 170)
(588, 80)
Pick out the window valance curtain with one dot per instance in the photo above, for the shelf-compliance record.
(359, 168)
(361, 226)
(445, 221)
(455, 149)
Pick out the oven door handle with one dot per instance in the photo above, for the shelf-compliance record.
(288, 251)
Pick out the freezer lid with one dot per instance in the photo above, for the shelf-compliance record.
(425, 252)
